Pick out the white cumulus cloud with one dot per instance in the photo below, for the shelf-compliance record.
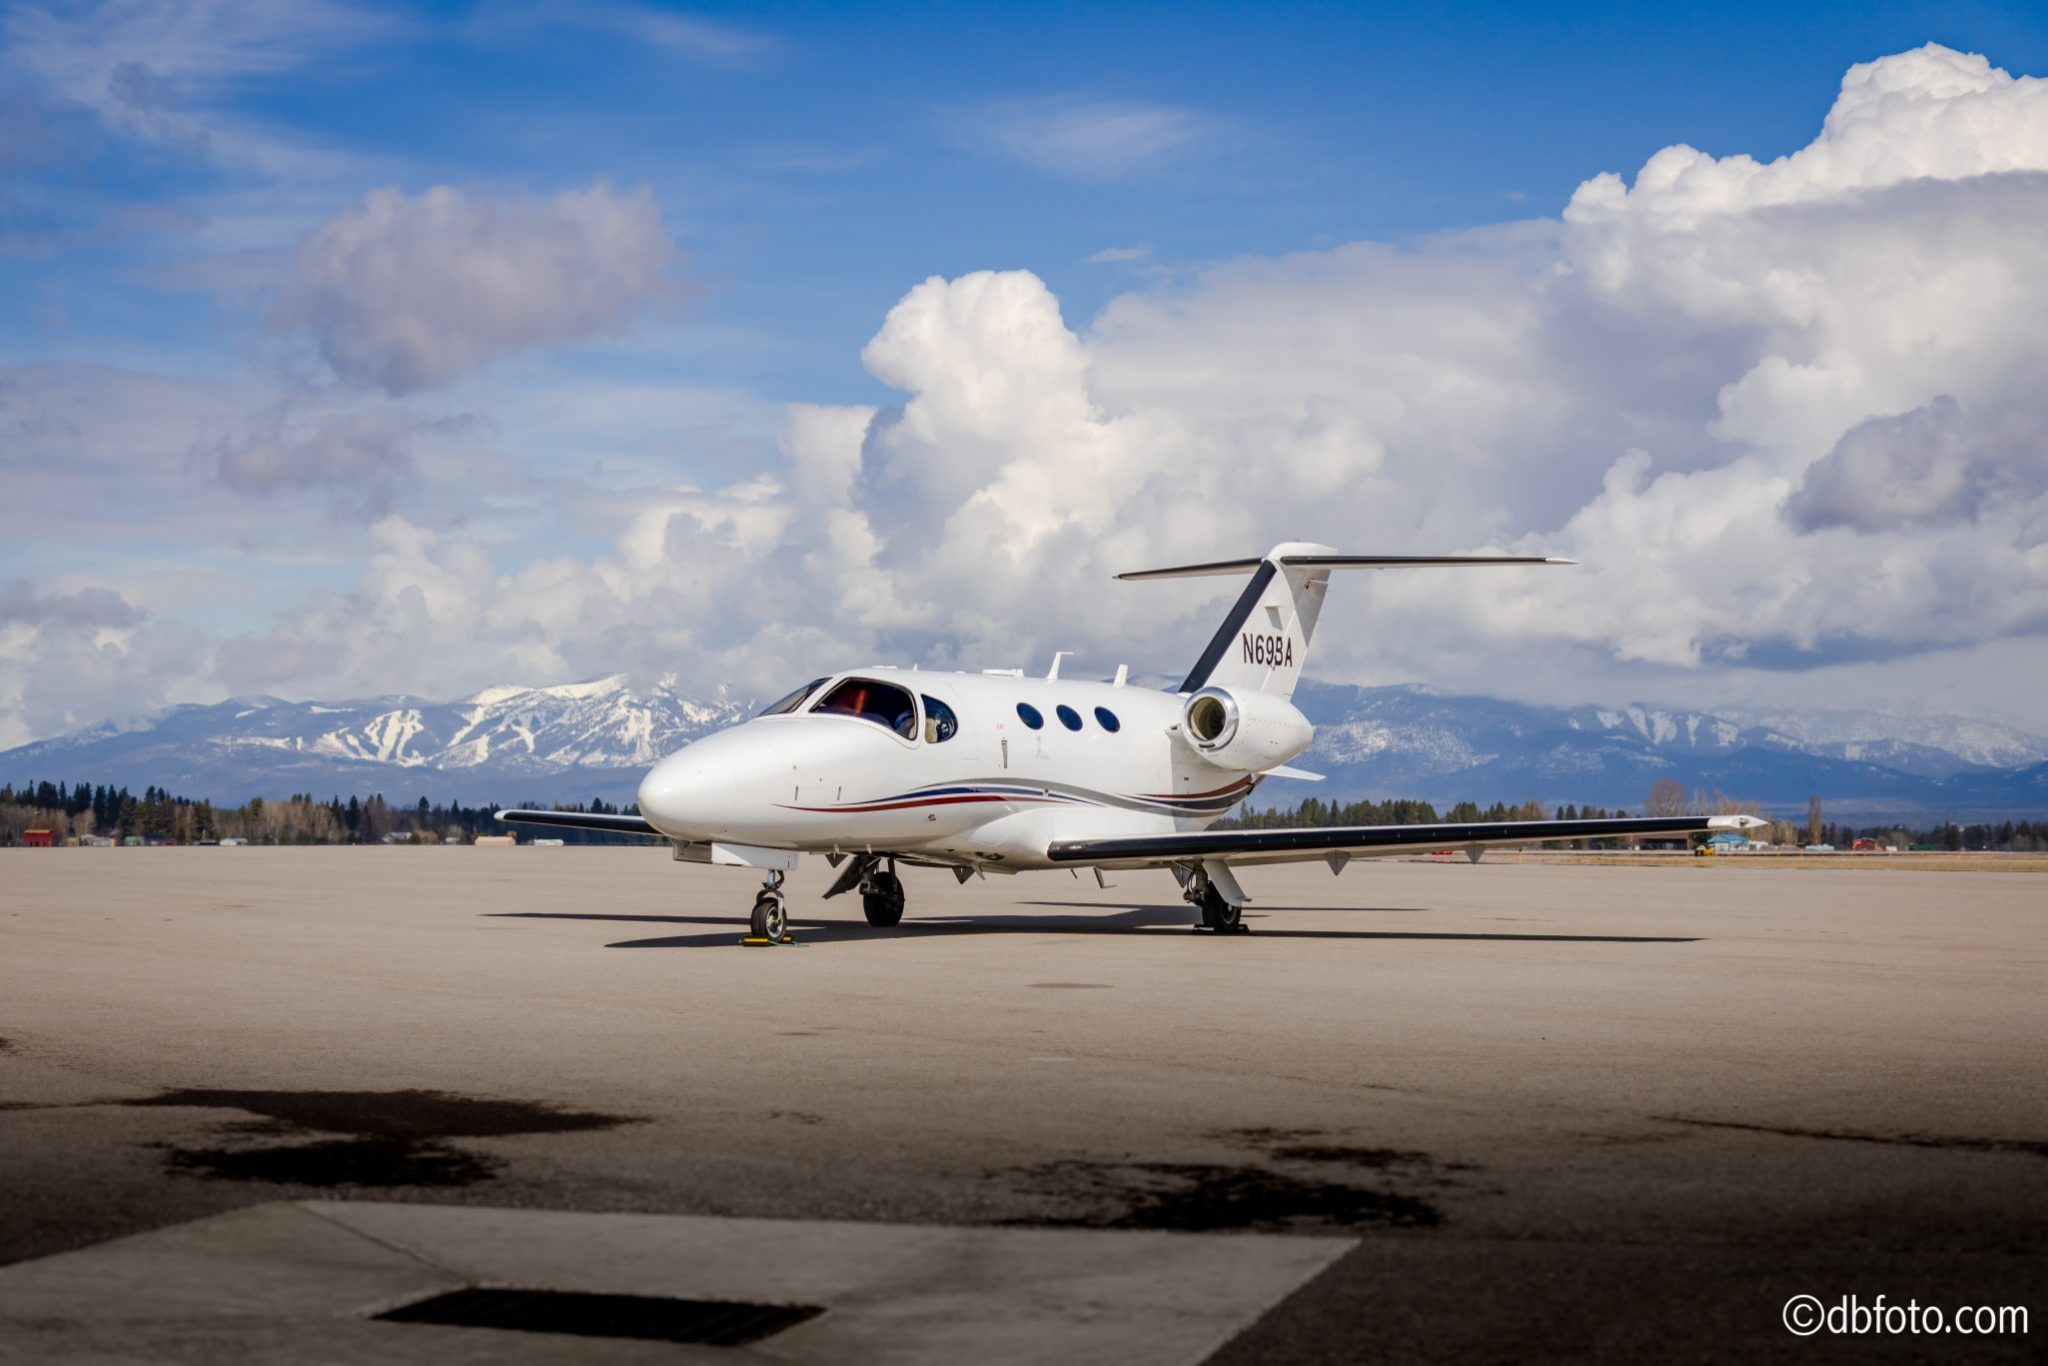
(1788, 415)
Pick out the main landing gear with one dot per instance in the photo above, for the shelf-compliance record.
(881, 898)
(771, 912)
(1220, 914)
(881, 891)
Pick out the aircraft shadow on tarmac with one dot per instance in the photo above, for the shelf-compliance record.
(1125, 920)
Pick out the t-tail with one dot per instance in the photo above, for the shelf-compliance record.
(1262, 645)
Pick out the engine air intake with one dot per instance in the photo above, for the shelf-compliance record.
(1211, 718)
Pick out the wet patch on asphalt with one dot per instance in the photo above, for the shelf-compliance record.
(1262, 1137)
(360, 1138)
(1628, 1140)
(1370, 1159)
(379, 1162)
(1300, 1187)
(2036, 1147)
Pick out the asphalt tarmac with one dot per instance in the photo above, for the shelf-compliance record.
(1567, 1113)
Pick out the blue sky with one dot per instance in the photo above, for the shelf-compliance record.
(816, 161)
(164, 166)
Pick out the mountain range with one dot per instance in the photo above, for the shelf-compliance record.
(581, 741)
(1866, 766)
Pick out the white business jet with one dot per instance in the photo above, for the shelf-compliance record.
(999, 773)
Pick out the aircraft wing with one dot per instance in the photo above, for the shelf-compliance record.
(583, 820)
(1338, 843)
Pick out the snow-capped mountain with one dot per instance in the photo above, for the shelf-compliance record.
(1885, 737)
(1418, 742)
(595, 740)
(574, 741)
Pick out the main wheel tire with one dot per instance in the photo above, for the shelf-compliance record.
(771, 917)
(882, 900)
(1217, 912)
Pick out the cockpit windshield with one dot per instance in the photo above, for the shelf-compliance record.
(885, 704)
(794, 700)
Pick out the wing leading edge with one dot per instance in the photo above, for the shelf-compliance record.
(1368, 841)
(583, 820)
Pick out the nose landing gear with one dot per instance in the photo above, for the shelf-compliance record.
(770, 922)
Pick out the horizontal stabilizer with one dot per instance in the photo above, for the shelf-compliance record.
(1298, 774)
(1189, 571)
(1192, 571)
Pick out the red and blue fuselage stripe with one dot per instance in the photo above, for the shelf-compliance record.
(1218, 801)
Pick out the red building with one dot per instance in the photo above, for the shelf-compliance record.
(39, 839)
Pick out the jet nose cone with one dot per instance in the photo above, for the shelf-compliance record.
(688, 795)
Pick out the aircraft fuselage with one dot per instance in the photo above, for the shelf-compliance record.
(1104, 760)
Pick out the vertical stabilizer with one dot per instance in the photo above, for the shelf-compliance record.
(1263, 642)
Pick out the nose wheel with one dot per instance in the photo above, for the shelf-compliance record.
(770, 922)
(771, 916)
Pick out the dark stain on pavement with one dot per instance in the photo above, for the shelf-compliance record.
(1301, 1187)
(361, 1138)
(1262, 1137)
(1337, 1154)
(2036, 1147)
(1195, 1197)
(339, 1162)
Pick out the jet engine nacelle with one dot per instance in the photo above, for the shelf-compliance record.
(1246, 731)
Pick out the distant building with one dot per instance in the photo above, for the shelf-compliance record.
(38, 839)
(495, 841)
